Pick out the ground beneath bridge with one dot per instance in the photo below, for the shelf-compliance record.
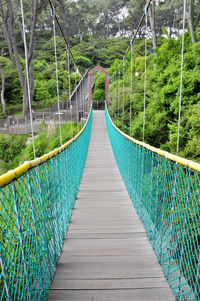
(106, 256)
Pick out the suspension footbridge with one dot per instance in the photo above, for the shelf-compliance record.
(111, 250)
(104, 216)
(106, 255)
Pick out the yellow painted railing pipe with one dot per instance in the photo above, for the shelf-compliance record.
(15, 173)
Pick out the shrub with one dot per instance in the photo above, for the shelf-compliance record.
(99, 94)
(83, 62)
(11, 146)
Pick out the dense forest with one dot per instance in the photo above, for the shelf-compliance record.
(98, 33)
(162, 96)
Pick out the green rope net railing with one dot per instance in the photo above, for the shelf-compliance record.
(166, 196)
(35, 212)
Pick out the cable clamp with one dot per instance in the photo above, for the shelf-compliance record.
(188, 163)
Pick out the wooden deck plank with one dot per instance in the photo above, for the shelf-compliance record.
(101, 236)
(100, 284)
(148, 294)
(93, 261)
(92, 274)
(106, 256)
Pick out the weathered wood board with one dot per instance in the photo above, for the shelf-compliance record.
(106, 256)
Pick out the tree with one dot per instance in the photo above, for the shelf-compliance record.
(197, 12)
(152, 23)
(170, 14)
(9, 20)
(135, 10)
(3, 103)
(189, 15)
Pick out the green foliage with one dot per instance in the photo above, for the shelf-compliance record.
(101, 51)
(41, 89)
(83, 62)
(100, 80)
(45, 143)
(91, 51)
(99, 94)
(13, 149)
(12, 93)
(10, 146)
(171, 144)
(162, 97)
(99, 87)
(4, 61)
(114, 66)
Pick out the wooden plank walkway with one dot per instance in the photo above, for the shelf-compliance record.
(106, 256)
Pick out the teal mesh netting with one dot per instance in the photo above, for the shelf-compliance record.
(166, 196)
(35, 213)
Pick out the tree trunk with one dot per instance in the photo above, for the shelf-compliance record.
(64, 10)
(66, 60)
(22, 79)
(31, 47)
(18, 65)
(197, 18)
(9, 31)
(6, 34)
(79, 31)
(81, 37)
(189, 15)
(3, 103)
(31, 74)
(25, 99)
(14, 43)
(152, 23)
(37, 8)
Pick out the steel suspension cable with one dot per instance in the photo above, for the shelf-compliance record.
(27, 76)
(181, 80)
(131, 92)
(131, 85)
(77, 110)
(130, 48)
(115, 94)
(69, 80)
(123, 92)
(56, 63)
(81, 101)
(66, 42)
(111, 98)
(118, 96)
(83, 108)
(145, 73)
(109, 95)
(61, 30)
(133, 37)
(84, 97)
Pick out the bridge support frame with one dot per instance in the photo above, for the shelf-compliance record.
(98, 68)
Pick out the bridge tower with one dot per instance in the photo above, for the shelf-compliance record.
(98, 68)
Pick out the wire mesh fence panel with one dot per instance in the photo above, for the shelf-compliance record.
(35, 211)
(166, 196)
